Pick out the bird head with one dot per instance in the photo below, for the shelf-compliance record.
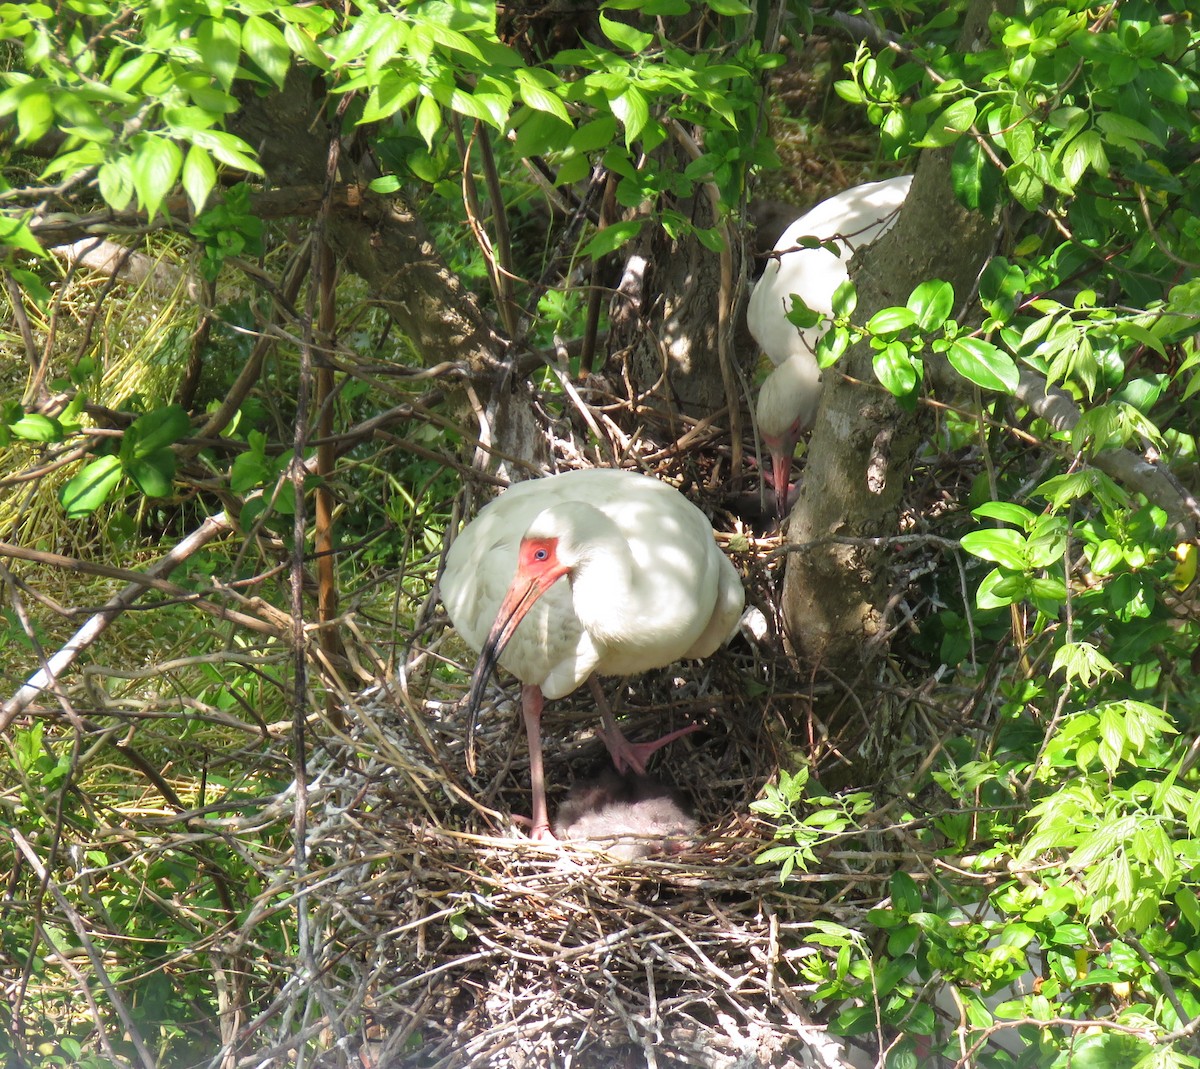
(787, 405)
(542, 559)
(781, 447)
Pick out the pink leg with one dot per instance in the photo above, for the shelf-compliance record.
(531, 710)
(625, 754)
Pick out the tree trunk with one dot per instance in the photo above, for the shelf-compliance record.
(864, 444)
(664, 328)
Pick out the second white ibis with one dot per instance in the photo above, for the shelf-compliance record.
(596, 572)
(787, 401)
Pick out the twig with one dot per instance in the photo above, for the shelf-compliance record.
(98, 624)
(85, 940)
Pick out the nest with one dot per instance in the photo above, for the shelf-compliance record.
(456, 941)
(465, 948)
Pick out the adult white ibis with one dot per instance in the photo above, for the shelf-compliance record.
(787, 402)
(644, 585)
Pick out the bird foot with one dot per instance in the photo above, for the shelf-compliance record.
(537, 834)
(628, 755)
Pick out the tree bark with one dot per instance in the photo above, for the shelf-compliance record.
(663, 325)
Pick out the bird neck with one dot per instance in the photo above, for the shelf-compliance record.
(789, 396)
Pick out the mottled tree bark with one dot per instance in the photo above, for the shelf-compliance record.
(674, 321)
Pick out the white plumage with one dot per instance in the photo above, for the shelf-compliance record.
(588, 572)
(787, 402)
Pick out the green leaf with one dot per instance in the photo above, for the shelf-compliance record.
(158, 429)
(116, 187)
(845, 299)
(976, 178)
(650, 7)
(1082, 661)
(612, 237)
(1000, 285)
(391, 93)
(1189, 906)
(263, 42)
(15, 232)
(906, 895)
(153, 474)
(895, 369)
(832, 346)
(891, 320)
(35, 116)
(633, 111)
(1002, 545)
(1025, 185)
(199, 177)
(732, 8)
(429, 119)
(540, 98)
(626, 37)
(387, 183)
(230, 149)
(982, 363)
(132, 71)
(711, 237)
(154, 168)
(597, 134)
(218, 42)
(248, 472)
(950, 125)
(91, 487)
(34, 427)
(799, 314)
(931, 302)
(1006, 512)
(303, 46)
(998, 589)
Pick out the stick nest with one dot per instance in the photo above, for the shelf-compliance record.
(461, 943)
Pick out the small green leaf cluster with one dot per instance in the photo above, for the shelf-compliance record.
(144, 458)
(1018, 981)
(825, 819)
(142, 111)
(1080, 121)
(900, 336)
(615, 100)
(228, 228)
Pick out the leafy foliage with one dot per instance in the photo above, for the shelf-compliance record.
(1074, 810)
(1091, 794)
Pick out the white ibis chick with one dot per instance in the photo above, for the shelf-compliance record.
(586, 573)
(787, 402)
(629, 817)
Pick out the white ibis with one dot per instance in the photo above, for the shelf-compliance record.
(643, 584)
(787, 402)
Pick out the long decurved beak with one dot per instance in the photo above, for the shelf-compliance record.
(523, 592)
(781, 471)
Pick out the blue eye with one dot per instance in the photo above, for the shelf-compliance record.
(540, 554)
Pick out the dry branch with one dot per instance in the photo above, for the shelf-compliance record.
(48, 675)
